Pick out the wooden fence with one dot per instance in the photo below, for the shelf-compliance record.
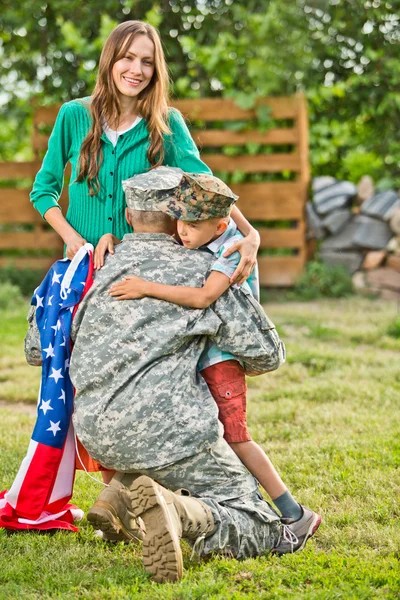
(283, 246)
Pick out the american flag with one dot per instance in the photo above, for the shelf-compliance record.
(39, 496)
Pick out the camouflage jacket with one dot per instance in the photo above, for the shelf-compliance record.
(139, 401)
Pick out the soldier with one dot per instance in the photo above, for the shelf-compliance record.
(142, 409)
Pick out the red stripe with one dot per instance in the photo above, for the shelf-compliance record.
(38, 482)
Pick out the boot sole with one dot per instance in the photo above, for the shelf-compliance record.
(103, 516)
(162, 555)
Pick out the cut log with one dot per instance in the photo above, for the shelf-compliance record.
(315, 228)
(359, 282)
(337, 220)
(393, 262)
(342, 240)
(365, 189)
(381, 206)
(373, 259)
(395, 221)
(384, 277)
(390, 295)
(351, 261)
(334, 196)
(371, 233)
(319, 183)
(393, 245)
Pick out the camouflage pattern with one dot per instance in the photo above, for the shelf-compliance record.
(32, 348)
(198, 197)
(246, 524)
(140, 402)
(145, 191)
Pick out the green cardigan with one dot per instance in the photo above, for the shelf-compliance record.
(93, 216)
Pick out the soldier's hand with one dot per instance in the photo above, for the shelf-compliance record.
(130, 288)
(107, 242)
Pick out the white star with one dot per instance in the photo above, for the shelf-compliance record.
(82, 282)
(62, 397)
(49, 351)
(56, 374)
(49, 302)
(66, 364)
(39, 301)
(71, 309)
(54, 427)
(56, 278)
(45, 406)
(56, 327)
(63, 344)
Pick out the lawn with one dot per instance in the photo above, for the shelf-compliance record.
(329, 421)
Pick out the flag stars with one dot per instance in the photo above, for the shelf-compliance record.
(66, 364)
(49, 351)
(54, 427)
(56, 278)
(39, 301)
(56, 327)
(45, 406)
(62, 397)
(49, 301)
(63, 344)
(56, 374)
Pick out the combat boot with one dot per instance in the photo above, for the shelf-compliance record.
(112, 514)
(167, 517)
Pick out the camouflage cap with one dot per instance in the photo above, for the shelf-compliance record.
(145, 191)
(198, 197)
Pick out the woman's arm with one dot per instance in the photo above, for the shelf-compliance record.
(133, 287)
(72, 239)
(247, 247)
(180, 149)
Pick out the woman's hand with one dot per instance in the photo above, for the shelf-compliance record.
(107, 242)
(247, 247)
(130, 288)
(73, 243)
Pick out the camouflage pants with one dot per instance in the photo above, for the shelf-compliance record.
(245, 524)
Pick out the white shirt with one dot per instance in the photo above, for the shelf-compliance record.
(113, 135)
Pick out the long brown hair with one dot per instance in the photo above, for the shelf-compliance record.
(105, 104)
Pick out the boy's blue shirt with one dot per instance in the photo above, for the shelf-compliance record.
(212, 354)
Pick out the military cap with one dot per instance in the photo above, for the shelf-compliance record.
(198, 197)
(145, 191)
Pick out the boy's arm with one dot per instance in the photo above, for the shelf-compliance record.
(134, 287)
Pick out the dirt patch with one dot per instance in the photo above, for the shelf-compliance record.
(23, 407)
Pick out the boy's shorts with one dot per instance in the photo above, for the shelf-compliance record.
(227, 383)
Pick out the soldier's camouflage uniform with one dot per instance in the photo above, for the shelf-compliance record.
(140, 403)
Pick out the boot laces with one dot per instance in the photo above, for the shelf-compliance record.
(289, 537)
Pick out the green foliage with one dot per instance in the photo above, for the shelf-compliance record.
(322, 281)
(394, 328)
(25, 280)
(10, 296)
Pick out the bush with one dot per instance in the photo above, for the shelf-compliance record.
(394, 328)
(10, 296)
(26, 280)
(322, 281)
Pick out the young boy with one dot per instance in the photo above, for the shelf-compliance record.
(201, 204)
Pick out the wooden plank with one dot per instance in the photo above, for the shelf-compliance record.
(40, 141)
(217, 109)
(271, 201)
(261, 163)
(282, 238)
(46, 115)
(42, 263)
(280, 271)
(216, 138)
(303, 148)
(15, 206)
(31, 240)
(15, 170)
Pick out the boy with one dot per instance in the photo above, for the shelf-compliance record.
(201, 204)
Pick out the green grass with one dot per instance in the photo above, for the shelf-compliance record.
(329, 421)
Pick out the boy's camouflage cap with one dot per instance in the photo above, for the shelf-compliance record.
(198, 197)
(145, 191)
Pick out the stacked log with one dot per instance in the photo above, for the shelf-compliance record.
(359, 230)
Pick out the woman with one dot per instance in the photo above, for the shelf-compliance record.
(126, 127)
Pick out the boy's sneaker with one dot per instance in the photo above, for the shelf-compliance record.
(295, 534)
